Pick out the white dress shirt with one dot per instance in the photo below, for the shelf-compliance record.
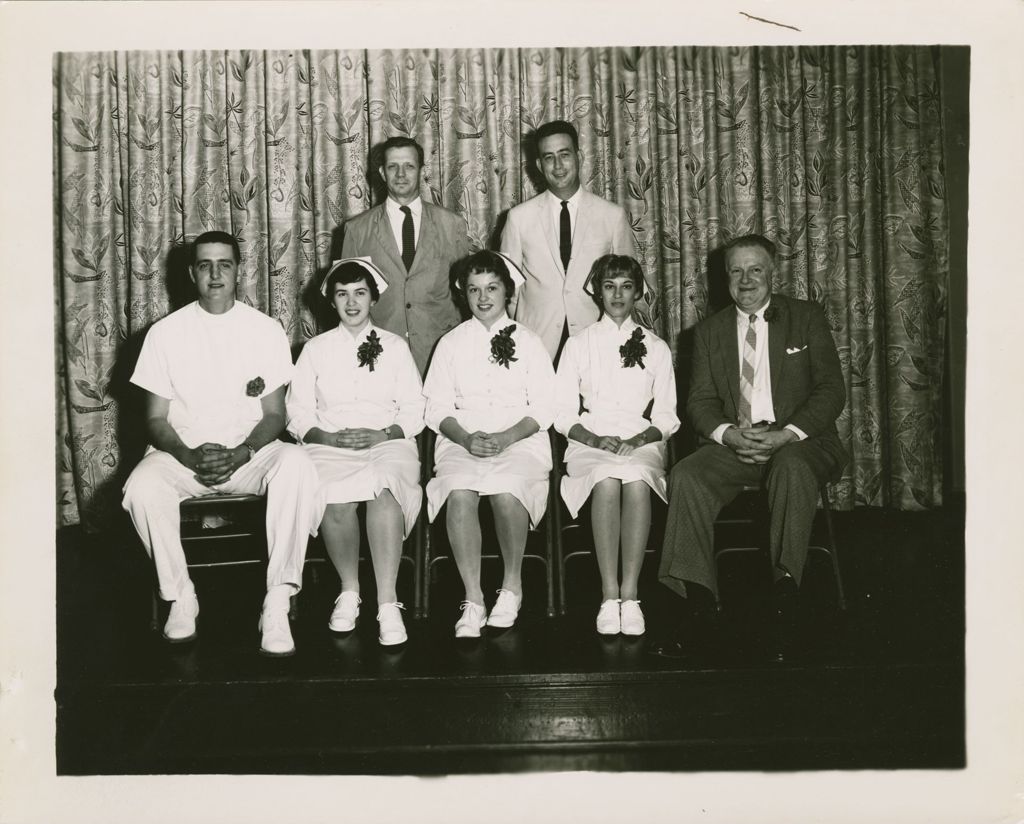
(555, 208)
(761, 407)
(396, 217)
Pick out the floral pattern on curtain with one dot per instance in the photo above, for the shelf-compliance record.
(833, 152)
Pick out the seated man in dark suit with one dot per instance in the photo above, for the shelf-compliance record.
(765, 391)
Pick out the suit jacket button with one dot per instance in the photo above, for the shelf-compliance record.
(408, 306)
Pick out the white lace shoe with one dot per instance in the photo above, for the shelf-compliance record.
(632, 618)
(474, 616)
(608, 617)
(346, 610)
(277, 632)
(392, 628)
(181, 622)
(506, 609)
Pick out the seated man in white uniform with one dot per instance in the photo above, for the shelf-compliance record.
(215, 374)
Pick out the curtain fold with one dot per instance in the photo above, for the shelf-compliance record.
(833, 152)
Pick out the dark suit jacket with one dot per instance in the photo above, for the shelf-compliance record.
(808, 389)
(417, 304)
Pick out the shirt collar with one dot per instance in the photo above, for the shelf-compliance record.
(358, 339)
(573, 201)
(497, 327)
(742, 317)
(395, 209)
(607, 324)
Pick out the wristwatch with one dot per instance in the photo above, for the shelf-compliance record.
(387, 433)
(251, 448)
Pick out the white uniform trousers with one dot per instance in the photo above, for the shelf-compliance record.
(281, 471)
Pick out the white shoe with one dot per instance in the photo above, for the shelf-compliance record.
(474, 616)
(608, 617)
(346, 610)
(181, 622)
(277, 632)
(506, 609)
(632, 618)
(392, 628)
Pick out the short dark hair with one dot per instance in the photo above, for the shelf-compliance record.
(556, 127)
(350, 273)
(398, 142)
(214, 237)
(484, 261)
(746, 241)
(615, 266)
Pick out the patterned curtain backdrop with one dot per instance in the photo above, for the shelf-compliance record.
(833, 152)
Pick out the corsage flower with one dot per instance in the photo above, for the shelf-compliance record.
(369, 350)
(633, 350)
(770, 314)
(503, 347)
(255, 387)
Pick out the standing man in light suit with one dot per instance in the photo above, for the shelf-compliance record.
(555, 238)
(414, 244)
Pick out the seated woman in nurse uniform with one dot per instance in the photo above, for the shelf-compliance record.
(490, 396)
(616, 455)
(356, 404)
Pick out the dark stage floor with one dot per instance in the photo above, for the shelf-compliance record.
(877, 686)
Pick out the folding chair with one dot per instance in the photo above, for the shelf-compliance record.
(244, 517)
(750, 509)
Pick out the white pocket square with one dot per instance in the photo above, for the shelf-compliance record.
(792, 350)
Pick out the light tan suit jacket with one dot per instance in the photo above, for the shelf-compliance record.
(551, 295)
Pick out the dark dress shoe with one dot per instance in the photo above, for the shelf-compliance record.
(667, 647)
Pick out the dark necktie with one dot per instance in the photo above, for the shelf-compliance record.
(565, 235)
(408, 238)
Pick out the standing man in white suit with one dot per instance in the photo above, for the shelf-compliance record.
(555, 238)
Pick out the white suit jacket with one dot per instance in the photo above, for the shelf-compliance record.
(551, 295)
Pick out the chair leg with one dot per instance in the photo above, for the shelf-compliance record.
(154, 618)
(427, 572)
(550, 538)
(833, 547)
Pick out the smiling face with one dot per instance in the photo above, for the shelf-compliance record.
(618, 294)
(750, 277)
(559, 162)
(214, 273)
(352, 302)
(486, 296)
(401, 173)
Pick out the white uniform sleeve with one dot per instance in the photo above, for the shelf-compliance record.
(300, 403)
(410, 398)
(540, 385)
(567, 386)
(439, 387)
(151, 371)
(279, 360)
(663, 412)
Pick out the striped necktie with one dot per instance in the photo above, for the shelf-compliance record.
(747, 373)
(408, 238)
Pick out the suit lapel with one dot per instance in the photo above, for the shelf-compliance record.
(544, 216)
(426, 242)
(385, 239)
(728, 351)
(778, 334)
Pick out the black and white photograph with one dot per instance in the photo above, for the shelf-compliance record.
(581, 422)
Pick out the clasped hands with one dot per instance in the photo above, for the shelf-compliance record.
(756, 444)
(620, 446)
(359, 438)
(486, 444)
(215, 463)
